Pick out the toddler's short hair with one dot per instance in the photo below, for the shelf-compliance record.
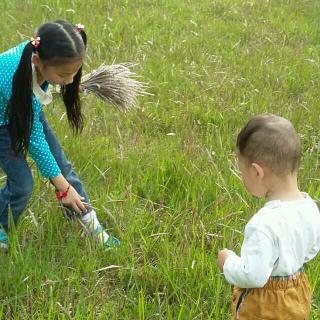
(272, 141)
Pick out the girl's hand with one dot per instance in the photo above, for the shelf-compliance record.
(222, 257)
(74, 200)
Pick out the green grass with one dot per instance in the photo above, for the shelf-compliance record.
(211, 66)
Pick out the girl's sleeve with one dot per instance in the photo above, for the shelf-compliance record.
(254, 267)
(40, 151)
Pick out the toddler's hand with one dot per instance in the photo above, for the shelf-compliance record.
(222, 257)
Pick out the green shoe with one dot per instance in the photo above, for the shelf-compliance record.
(112, 241)
(3, 240)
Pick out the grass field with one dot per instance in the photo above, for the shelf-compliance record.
(163, 178)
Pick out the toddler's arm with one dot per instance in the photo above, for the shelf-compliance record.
(253, 268)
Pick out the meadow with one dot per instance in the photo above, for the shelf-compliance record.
(163, 177)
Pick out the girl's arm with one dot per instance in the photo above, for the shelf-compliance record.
(46, 163)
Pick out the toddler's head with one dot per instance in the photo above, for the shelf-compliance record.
(268, 150)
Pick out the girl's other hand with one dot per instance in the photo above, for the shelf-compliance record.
(74, 200)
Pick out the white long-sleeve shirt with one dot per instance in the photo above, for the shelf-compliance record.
(278, 240)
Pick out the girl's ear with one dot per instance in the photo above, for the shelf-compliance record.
(258, 170)
(35, 59)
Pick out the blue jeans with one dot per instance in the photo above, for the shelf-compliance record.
(18, 188)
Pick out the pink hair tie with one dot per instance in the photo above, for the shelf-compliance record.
(79, 27)
(35, 42)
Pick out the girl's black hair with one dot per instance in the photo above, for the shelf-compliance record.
(60, 42)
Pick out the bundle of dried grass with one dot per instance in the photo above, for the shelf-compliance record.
(116, 84)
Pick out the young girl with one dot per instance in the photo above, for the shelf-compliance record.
(55, 56)
(282, 236)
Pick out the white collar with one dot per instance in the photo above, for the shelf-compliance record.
(45, 97)
(276, 203)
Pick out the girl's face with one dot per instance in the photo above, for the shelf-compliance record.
(60, 74)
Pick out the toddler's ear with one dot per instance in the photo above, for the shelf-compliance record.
(258, 170)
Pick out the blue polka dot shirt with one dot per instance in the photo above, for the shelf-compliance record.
(38, 147)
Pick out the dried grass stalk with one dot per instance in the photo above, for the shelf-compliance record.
(116, 84)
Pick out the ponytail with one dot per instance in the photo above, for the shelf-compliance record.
(71, 98)
(19, 112)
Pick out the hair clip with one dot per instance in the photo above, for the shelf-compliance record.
(79, 27)
(35, 42)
